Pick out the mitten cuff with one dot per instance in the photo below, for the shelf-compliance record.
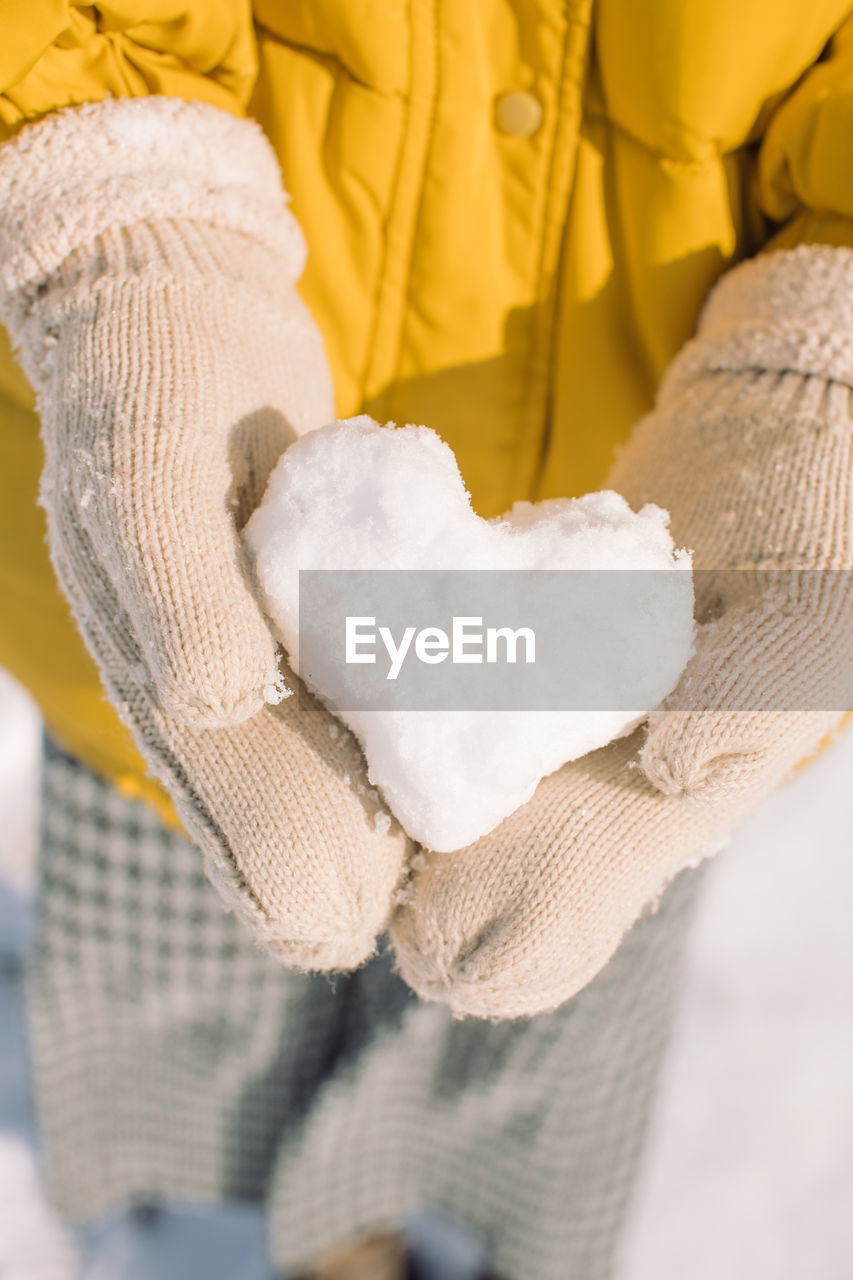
(786, 311)
(84, 170)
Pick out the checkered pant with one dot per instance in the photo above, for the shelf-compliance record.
(174, 1060)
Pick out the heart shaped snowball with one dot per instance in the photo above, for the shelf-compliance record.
(459, 723)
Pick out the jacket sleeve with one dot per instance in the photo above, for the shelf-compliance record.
(804, 176)
(55, 53)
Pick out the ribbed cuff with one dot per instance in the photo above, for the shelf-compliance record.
(789, 310)
(103, 165)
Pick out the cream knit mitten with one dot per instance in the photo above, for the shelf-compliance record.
(147, 270)
(750, 447)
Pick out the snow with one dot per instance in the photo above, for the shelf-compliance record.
(749, 1168)
(382, 822)
(357, 496)
(20, 747)
(750, 1171)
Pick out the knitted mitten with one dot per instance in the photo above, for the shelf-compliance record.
(750, 447)
(147, 271)
(752, 455)
(380, 1257)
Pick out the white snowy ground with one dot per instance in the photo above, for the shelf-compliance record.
(749, 1175)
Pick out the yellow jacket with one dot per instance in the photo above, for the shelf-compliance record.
(514, 210)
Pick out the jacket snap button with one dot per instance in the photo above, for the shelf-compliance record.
(518, 113)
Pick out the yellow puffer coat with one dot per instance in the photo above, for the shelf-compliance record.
(514, 210)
